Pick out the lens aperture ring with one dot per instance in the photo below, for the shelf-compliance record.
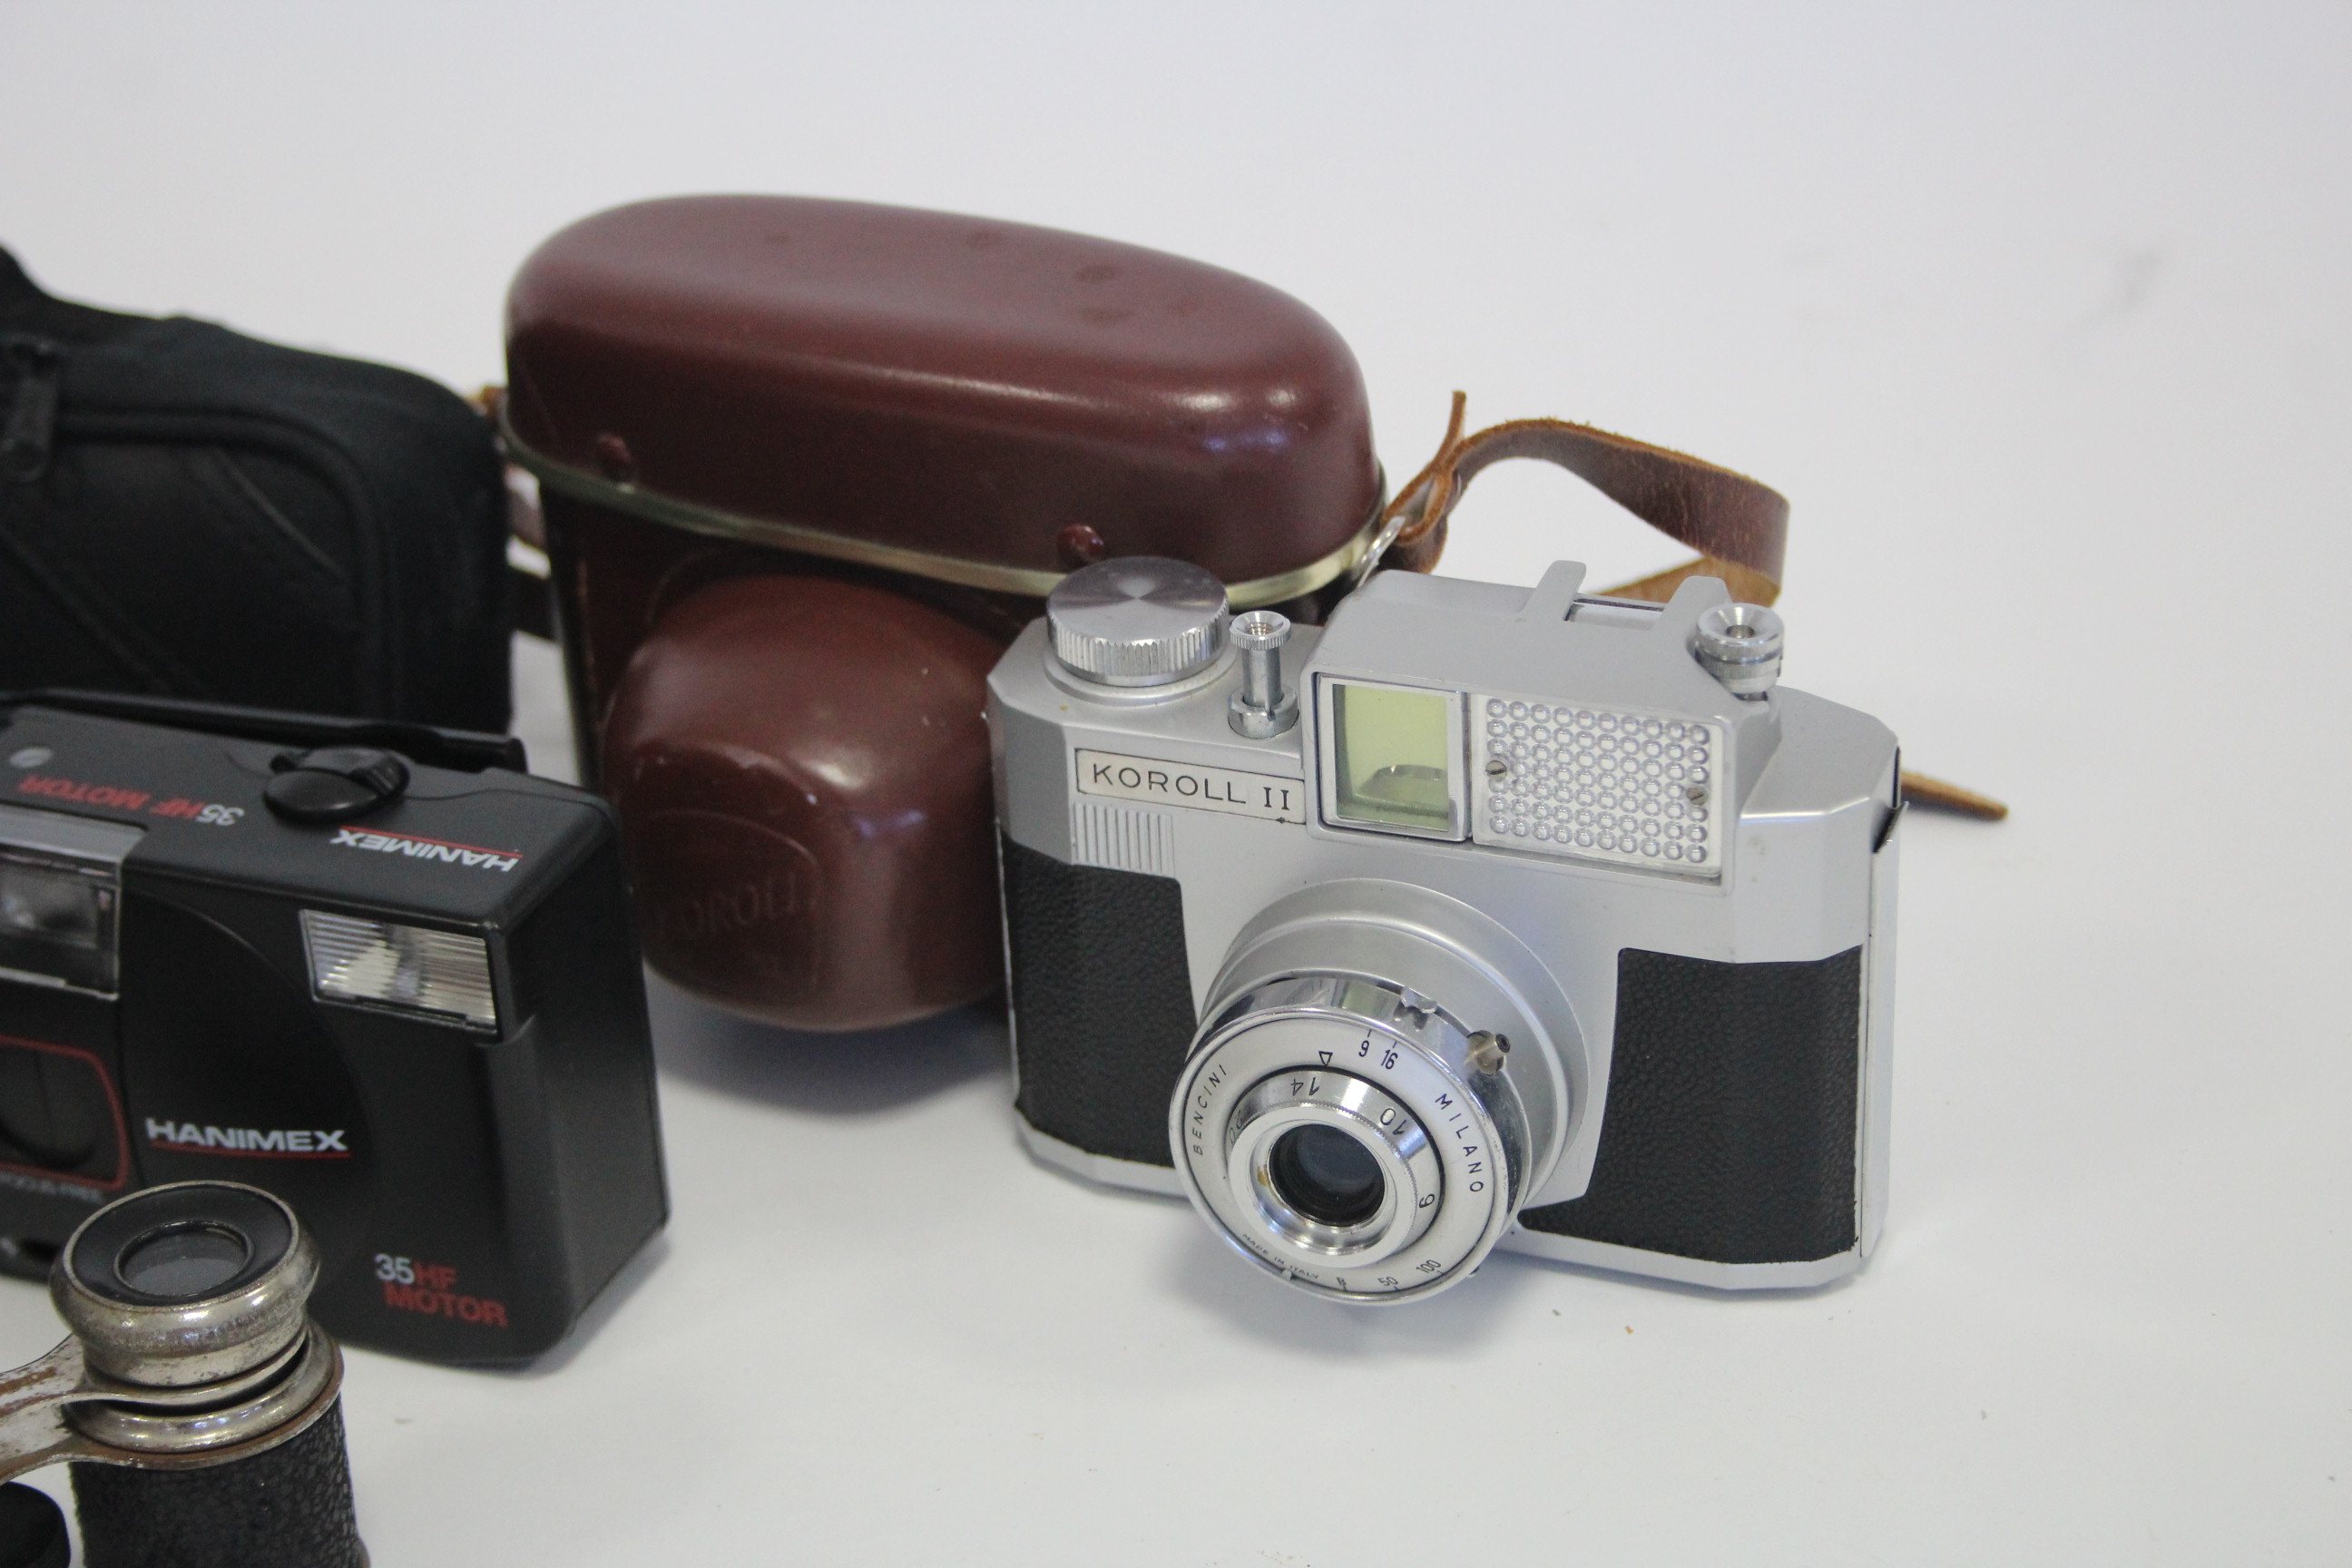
(1235, 1100)
(212, 1326)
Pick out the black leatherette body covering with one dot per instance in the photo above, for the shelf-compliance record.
(1102, 1002)
(1729, 1134)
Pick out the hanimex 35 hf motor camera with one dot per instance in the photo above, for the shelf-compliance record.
(374, 968)
(1500, 917)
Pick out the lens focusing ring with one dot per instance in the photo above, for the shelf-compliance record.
(1378, 1064)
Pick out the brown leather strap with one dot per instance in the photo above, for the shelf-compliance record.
(1738, 527)
(1934, 794)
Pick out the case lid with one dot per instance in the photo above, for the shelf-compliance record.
(953, 396)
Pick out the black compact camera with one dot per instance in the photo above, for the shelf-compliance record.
(375, 969)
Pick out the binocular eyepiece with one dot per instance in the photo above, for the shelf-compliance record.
(198, 1405)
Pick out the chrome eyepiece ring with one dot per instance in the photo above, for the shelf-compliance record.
(186, 1284)
(239, 1411)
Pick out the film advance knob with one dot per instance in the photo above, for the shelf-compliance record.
(1139, 620)
(333, 783)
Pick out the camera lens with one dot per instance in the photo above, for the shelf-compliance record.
(1348, 1134)
(182, 1261)
(1327, 1175)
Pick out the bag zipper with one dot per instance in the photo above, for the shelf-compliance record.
(37, 366)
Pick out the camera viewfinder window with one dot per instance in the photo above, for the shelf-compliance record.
(1392, 750)
(60, 879)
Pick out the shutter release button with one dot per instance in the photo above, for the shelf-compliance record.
(333, 783)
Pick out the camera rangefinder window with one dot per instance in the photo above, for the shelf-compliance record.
(1393, 756)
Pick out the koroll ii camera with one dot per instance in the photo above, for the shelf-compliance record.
(1482, 915)
(374, 968)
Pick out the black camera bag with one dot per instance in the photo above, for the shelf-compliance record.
(190, 512)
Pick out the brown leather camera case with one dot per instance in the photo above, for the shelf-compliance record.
(807, 466)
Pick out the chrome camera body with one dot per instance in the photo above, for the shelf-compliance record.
(1484, 916)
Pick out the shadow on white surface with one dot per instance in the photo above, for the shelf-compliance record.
(1207, 1272)
(830, 1074)
(1507, 1288)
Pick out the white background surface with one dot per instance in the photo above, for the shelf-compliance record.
(2040, 316)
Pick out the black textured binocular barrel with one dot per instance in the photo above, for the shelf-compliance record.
(286, 1507)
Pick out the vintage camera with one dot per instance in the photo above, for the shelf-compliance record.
(374, 968)
(1503, 915)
